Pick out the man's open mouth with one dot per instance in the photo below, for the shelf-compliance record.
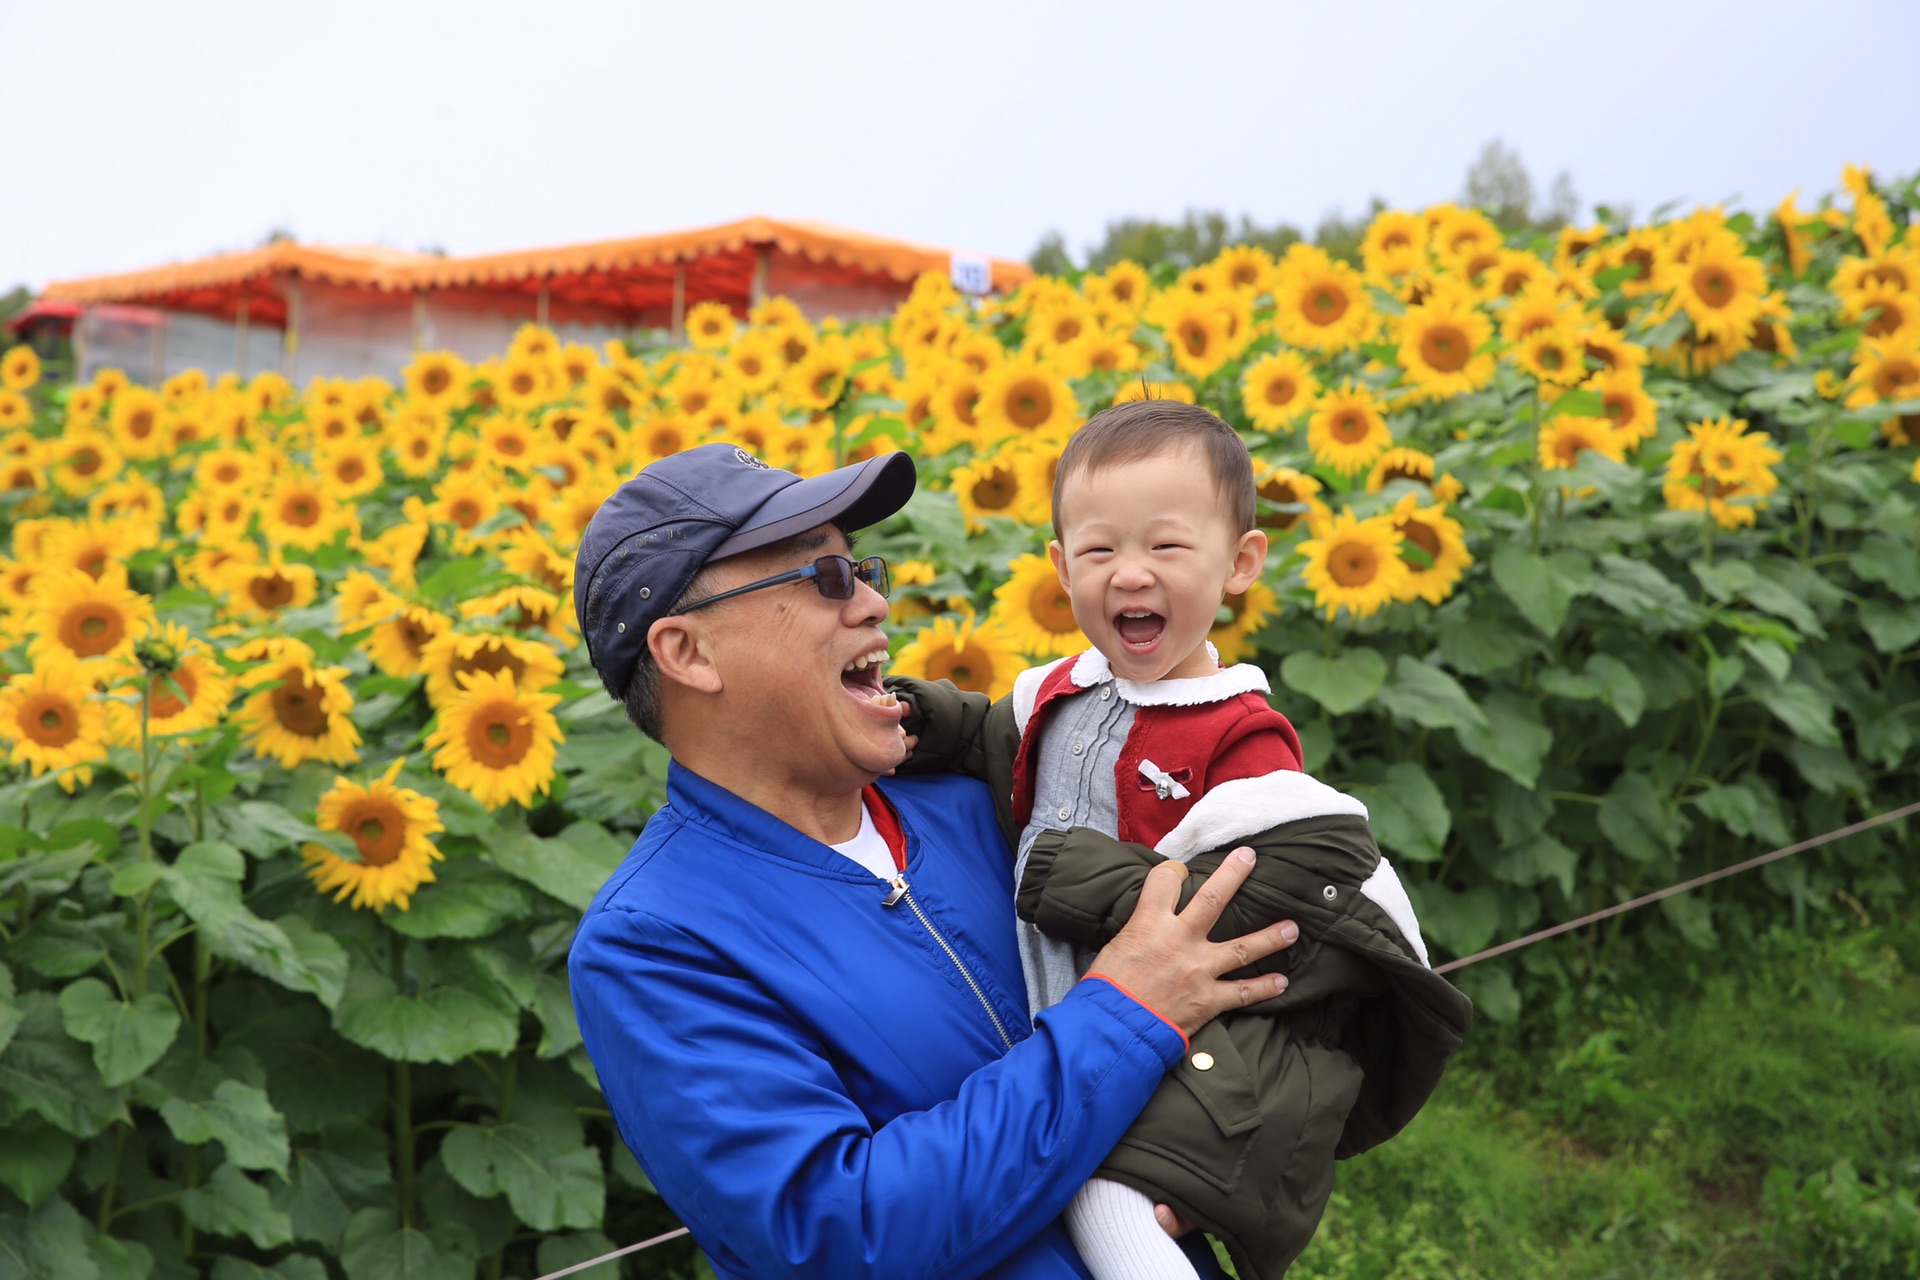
(862, 678)
(1139, 629)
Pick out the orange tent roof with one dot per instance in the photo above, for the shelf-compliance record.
(608, 279)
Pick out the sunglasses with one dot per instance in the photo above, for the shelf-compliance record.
(833, 577)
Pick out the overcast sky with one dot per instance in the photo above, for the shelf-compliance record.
(140, 133)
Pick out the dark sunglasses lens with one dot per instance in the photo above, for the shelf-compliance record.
(873, 572)
(834, 576)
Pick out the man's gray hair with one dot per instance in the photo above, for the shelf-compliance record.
(642, 694)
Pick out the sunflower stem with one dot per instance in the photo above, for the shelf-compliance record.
(143, 911)
(402, 1105)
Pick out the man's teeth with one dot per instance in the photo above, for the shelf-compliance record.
(866, 660)
(884, 700)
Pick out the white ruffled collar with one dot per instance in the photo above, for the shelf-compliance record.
(1092, 668)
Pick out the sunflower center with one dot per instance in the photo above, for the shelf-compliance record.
(171, 693)
(963, 402)
(1552, 359)
(296, 705)
(1353, 564)
(50, 719)
(1714, 285)
(1570, 445)
(1421, 536)
(86, 460)
(1887, 319)
(665, 440)
(1052, 609)
(465, 512)
(1444, 347)
(492, 660)
(413, 635)
(300, 510)
(996, 490)
(350, 470)
(1619, 409)
(140, 424)
(1281, 390)
(1326, 304)
(1196, 338)
(968, 668)
(1641, 260)
(499, 735)
(1893, 375)
(226, 473)
(1029, 404)
(92, 629)
(271, 590)
(435, 380)
(1350, 426)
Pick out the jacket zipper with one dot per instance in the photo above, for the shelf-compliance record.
(901, 890)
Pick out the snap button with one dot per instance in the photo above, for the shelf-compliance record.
(1079, 748)
(645, 592)
(620, 626)
(1066, 811)
(1329, 893)
(1203, 1061)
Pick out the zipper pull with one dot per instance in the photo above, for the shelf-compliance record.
(899, 892)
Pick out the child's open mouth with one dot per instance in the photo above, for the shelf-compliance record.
(1139, 630)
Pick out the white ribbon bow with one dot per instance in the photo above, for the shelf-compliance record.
(1163, 784)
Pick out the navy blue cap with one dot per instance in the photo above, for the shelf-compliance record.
(659, 529)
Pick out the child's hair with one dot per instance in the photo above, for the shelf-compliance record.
(1147, 428)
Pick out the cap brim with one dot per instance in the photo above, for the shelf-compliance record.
(852, 497)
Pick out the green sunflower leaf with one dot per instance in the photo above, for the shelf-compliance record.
(1429, 697)
(1345, 682)
(377, 1247)
(231, 1204)
(127, 1038)
(1514, 740)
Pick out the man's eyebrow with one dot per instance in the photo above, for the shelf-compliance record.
(810, 541)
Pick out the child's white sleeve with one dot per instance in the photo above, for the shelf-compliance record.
(1113, 1227)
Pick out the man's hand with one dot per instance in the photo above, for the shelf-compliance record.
(1164, 960)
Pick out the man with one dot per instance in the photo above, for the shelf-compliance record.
(800, 990)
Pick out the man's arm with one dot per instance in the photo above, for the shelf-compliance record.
(746, 1127)
(955, 731)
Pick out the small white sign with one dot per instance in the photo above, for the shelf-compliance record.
(971, 274)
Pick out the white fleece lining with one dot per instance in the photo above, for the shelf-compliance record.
(1384, 887)
(1026, 692)
(1092, 668)
(1244, 807)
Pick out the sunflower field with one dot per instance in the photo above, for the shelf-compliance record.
(1595, 565)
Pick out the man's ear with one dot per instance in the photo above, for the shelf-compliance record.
(1058, 555)
(1249, 558)
(681, 650)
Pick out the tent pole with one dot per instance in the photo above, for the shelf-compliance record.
(159, 370)
(80, 344)
(760, 258)
(678, 322)
(540, 308)
(419, 321)
(240, 341)
(290, 349)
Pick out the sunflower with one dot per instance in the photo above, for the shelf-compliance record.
(1197, 329)
(417, 449)
(1896, 268)
(1121, 290)
(1722, 470)
(1355, 564)
(227, 468)
(260, 590)
(87, 617)
(1276, 389)
(1564, 438)
(397, 550)
(95, 546)
(1023, 398)
(439, 379)
(447, 657)
(1434, 548)
(1320, 303)
(14, 410)
(522, 381)
(1412, 464)
(360, 600)
(818, 380)
(495, 740)
(977, 657)
(1035, 610)
(187, 688)
(1441, 343)
(350, 469)
(82, 461)
(1634, 414)
(19, 368)
(53, 721)
(524, 608)
(186, 385)
(1553, 356)
(136, 423)
(1395, 244)
(465, 502)
(1611, 351)
(1284, 487)
(1348, 430)
(391, 826)
(1719, 287)
(507, 440)
(989, 486)
(1883, 311)
(1247, 613)
(1885, 369)
(1461, 235)
(298, 711)
(299, 512)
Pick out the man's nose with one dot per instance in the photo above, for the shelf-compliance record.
(866, 607)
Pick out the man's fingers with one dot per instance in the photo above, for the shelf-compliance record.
(1160, 892)
(1251, 948)
(1211, 898)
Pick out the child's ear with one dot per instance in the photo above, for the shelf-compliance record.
(681, 650)
(1249, 558)
(1058, 555)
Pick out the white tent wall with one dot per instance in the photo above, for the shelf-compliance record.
(350, 333)
(151, 346)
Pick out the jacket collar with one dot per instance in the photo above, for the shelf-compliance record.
(1092, 668)
(707, 804)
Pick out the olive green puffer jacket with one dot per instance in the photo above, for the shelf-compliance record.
(1242, 1136)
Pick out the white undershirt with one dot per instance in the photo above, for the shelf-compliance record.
(868, 848)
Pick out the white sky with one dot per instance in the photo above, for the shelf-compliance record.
(140, 133)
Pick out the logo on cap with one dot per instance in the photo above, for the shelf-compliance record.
(743, 456)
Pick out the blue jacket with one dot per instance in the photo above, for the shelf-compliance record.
(824, 1085)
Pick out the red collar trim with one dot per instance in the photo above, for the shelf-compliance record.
(887, 823)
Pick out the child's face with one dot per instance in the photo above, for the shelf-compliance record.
(1147, 557)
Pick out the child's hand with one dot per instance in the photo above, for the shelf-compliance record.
(912, 741)
(1170, 1222)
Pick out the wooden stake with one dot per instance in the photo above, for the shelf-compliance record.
(540, 308)
(761, 257)
(240, 341)
(290, 348)
(678, 322)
